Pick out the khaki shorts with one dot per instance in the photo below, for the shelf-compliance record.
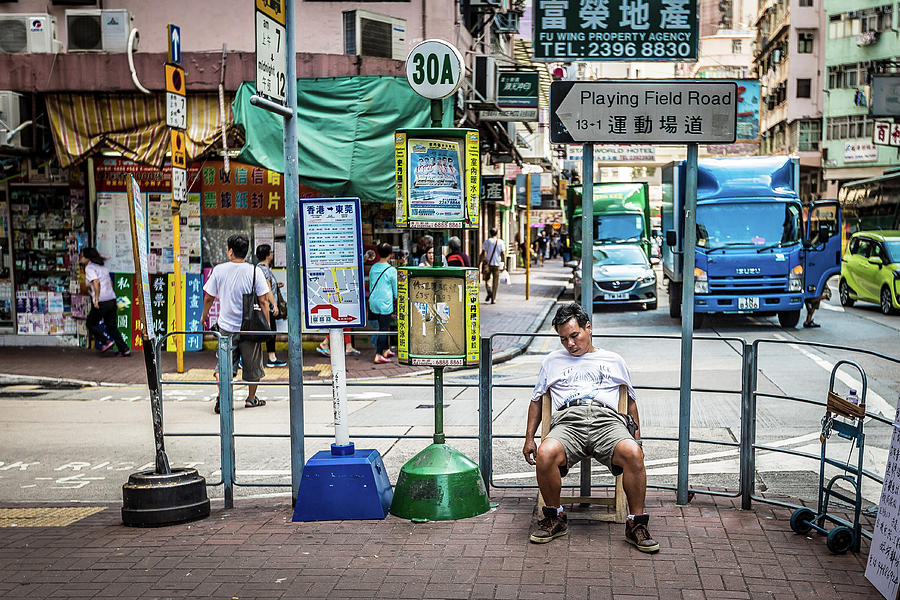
(589, 430)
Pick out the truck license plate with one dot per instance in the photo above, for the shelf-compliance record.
(616, 296)
(748, 303)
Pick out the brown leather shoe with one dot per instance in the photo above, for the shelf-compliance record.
(637, 534)
(551, 526)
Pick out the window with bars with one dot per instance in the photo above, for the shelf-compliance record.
(807, 135)
(805, 42)
(851, 23)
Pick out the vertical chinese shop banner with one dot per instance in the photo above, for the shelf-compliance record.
(193, 311)
(122, 287)
(192, 284)
(158, 302)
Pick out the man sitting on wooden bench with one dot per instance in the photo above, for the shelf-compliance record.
(583, 383)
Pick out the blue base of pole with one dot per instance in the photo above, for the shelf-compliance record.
(343, 483)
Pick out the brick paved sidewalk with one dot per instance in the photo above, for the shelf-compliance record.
(710, 550)
(511, 313)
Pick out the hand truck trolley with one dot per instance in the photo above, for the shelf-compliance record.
(844, 535)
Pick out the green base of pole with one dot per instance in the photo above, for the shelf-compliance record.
(439, 484)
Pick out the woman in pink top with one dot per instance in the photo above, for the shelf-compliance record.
(103, 303)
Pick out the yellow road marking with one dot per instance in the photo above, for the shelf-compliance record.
(45, 517)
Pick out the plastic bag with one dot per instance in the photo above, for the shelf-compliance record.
(504, 277)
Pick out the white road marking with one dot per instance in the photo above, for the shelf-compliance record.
(837, 308)
(874, 402)
(355, 395)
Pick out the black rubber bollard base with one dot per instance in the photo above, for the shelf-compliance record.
(150, 499)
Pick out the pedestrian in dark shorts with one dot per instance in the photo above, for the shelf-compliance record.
(583, 383)
(228, 282)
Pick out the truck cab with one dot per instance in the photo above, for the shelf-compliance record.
(755, 252)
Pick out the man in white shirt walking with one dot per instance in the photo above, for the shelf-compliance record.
(493, 253)
(583, 383)
(229, 282)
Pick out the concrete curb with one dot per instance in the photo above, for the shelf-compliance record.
(52, 382)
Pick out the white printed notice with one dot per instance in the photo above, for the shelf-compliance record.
(883, 567)
(332, 262)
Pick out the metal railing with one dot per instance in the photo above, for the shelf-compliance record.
(747, 447)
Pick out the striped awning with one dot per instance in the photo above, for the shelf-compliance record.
(133, 124)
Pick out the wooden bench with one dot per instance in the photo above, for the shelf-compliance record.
(617, 501)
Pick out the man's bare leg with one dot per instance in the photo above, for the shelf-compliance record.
(629, 456)
(550, 457)
(251, 391)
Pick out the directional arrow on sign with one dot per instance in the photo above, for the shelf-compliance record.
(174, 44)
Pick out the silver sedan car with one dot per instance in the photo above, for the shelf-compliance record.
(622, 276)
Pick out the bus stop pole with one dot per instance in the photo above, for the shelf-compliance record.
(687, 323)
(587, 258)
(292, 244)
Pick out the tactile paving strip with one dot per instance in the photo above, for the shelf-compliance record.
(45, 517)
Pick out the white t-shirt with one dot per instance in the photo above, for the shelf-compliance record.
(596, 375)
(95, 272)
(229, 282)
(493, 251)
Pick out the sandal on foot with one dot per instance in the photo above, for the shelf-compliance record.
(323, 351)
(381, 360)
(253, 402)
(216, 408)
(353, 352)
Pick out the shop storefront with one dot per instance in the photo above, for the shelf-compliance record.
(42, 228)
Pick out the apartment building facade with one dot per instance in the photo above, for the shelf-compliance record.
(789, 60)
(862, 40)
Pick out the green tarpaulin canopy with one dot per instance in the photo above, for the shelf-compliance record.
(346, 132)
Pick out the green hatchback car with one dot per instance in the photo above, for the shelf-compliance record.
(870, 270)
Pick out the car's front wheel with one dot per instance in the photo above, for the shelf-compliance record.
(887, 306)
(844, 293)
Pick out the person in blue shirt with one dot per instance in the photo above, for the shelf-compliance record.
(382, 298)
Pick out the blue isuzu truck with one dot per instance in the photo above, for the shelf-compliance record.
(759, 251)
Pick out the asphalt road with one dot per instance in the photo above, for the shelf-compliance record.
(80, 445)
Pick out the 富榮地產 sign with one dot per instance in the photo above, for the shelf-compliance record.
(643, 112)
(615, 30)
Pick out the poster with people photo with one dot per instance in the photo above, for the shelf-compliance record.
(436, 188)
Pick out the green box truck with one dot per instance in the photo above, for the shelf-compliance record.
(621, 215)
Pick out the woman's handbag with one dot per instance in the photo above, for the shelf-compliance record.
(252, 316)
(280, 303)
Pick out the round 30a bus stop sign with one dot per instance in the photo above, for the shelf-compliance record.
(434, 69)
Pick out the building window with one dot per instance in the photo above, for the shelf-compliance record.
(804, 88)
(851, 23)
(851, 126)
(805, 42)
(735, 46)
(809, 133)
(806, 2)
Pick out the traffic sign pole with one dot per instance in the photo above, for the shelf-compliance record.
(687, 323)
(176, 119)
(292, 243)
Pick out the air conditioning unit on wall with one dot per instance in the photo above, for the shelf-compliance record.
(10, 117)
(371, 34)
(28, 33)
(484, 78)
(95, 30)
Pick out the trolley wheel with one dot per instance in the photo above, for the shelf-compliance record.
(839, 539)
(801, 520)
